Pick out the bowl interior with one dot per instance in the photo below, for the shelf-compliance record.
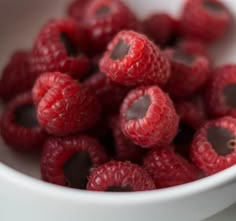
(18, 31)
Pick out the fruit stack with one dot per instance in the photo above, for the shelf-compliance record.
(116, 103)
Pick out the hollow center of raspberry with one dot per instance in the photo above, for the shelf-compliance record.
(212, 6)
(229, 93)
(139, 108)
(120, 50)
(184, 138)
(181, 57)
(70, 47)
(77, 169)
(104, 10)
(25, 116)
(221, 140)
(126, 188)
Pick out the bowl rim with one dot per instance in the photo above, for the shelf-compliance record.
(39, 187)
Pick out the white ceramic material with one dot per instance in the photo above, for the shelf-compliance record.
(228, 214)
(25, 198)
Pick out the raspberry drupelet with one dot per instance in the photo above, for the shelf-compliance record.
(103, 19)
(214, 145)
(220, 93)
(19, 126)
(17, 76)
(206, 20)
(59, 47)
(168, 168)
(116, 176)
(69, 161)
(109, 93)
(125, 150)
(132, 59)
(148, 117)
(63, 106)
(189, 73)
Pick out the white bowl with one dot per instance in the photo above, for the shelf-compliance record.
(23, 197)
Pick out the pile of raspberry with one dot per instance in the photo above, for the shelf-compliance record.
(115, 103)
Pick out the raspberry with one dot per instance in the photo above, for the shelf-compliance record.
(69, 161)
(103, 19)
(118, 176)
(125, 150)
(17, 76)
(148, 117)
(193, 46)
(161, 28)
(213, 146)
(192, 111)
(220, 93)
(206, 20)
(109, 93)
(64, 107)
(76, 9)
(168, 168)
(132, 59)
(58, 48)
(19, 127)
(189, 73)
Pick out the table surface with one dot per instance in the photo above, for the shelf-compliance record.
(227, 215)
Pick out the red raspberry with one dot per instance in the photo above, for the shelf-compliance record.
(148, 117)
(168, 168)
(207, 20)
(213, 148)
(132, 59)
(58, 48)
(189, 73)
(19, 126)
(76, 9)
(109, 93)
(220, 93)
(64, 107)
(118, 176)
(193, 46)
(125, 150)
(17, 76)
(103, 19)
(192, 111)
(161, 28)
(69, 161)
